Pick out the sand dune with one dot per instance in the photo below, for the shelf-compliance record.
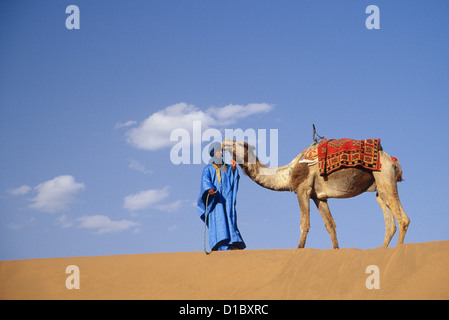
(409, 271)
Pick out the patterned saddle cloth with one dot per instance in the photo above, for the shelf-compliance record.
(333, 154)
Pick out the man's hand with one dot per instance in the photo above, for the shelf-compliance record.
(233, 164)
(211, 192)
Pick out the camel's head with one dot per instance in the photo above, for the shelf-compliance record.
(241, 151)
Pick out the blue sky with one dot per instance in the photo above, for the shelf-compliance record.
(82, 111)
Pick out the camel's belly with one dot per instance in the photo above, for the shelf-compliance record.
(344, 183)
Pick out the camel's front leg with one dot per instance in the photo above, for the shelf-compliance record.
(329, 222)
(304, 207)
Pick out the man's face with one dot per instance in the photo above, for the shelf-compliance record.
(219, 154)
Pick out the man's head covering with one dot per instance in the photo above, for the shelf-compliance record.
(213, 148)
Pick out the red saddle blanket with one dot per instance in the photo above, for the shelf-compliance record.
(334, 154)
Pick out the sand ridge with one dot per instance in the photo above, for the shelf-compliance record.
(408, 271)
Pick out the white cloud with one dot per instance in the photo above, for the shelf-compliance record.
(55, 195)
(22, 190)
(145, 199)
(103, 224)
(154, 132)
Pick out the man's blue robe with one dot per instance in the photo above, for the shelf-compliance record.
(222, 217)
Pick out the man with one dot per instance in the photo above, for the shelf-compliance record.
(219, 185)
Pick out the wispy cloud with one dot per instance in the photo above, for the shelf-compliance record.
(20, 225)
(64, 222)
(145, 199)
(233, 112)
(22, 190)
(152, 198)
(55, 194)
(137, 166)
(129, 123)
(173, 228)
(103, 224)
(99, 224)
(169, 207)
(153, 133)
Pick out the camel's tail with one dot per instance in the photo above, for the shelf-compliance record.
(398, 169)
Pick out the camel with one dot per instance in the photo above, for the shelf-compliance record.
(305, 180)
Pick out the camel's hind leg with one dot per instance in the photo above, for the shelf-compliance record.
(329, 222)
(388, 192)
(390, 226)
(391, 200)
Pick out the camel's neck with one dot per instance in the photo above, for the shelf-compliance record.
(277, 179)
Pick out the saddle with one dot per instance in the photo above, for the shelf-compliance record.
(333, 154)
